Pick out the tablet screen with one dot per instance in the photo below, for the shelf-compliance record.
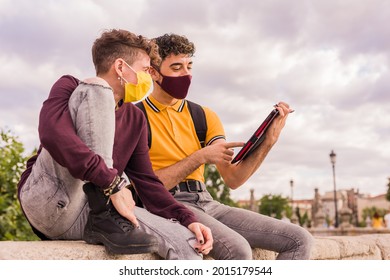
(256, 138)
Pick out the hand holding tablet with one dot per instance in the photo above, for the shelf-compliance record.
(256, 138)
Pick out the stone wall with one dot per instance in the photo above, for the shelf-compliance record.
(349, 231)
(363, 247)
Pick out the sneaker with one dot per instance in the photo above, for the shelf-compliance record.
(117, 234)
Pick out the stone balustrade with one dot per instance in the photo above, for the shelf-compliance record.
(362, 247)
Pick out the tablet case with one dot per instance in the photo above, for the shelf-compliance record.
(256, 138)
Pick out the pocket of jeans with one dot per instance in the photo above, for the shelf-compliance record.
(44, 201)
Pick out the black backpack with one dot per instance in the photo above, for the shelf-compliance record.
(198, 117)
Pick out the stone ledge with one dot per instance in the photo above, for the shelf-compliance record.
(363, 247)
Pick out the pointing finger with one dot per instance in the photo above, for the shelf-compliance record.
(234, 144)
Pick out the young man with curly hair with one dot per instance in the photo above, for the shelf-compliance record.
(178, 160)
(91, 134)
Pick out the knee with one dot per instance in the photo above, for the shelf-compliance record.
(242, 253)
(238, 249)
(306, 238)
(306, 242)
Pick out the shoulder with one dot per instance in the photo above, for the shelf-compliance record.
(138, 109)
(66, 84)
(62, 89)
(67, 80)
(211, 116)
(214, 125)
(208, 112)
(132, 112)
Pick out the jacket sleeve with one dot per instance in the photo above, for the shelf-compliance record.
(150, 189)
(58, 136)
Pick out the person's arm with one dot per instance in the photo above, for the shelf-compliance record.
(151, 191)
(219, 152)
(234, 175)
(157, 199)
(58, 136)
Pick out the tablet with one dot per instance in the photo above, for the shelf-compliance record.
(256, 138)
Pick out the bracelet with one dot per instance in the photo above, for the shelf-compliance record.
(122, 184)
(107, 191)
(117, 184)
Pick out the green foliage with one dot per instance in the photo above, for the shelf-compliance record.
(216, 186)
(303, 219)
(274, 205)
(13, 224)
(369, 211)
(288, 211)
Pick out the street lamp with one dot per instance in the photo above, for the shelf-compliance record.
(294, 218)
(333, 161)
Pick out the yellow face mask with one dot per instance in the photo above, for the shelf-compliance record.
(136, 92)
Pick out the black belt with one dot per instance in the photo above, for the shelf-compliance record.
(192, 186)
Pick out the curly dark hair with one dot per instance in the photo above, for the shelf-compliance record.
(173, 44)
(118, 43)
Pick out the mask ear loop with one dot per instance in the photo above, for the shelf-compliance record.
(121, 79)
(129, 67)
(131, 70)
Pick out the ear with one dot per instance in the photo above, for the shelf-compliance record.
(154, 74)
(118, 66)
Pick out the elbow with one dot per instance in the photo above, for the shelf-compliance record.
(233, 183)
(45, 130)
(235, 178)
(234, 187)
(232, 179)
(44, 139)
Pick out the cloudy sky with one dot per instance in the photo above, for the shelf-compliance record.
(328, 59)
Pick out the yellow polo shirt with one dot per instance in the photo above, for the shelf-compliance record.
(173, 134)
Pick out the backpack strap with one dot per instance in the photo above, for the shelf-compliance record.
(142, 107)
(198, 117)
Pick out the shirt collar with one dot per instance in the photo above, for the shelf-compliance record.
(157, 106)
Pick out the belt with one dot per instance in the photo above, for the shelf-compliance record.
(192, 186)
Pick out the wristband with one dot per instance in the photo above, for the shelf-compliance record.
(117, 185)
(122, 184)
(107, 191)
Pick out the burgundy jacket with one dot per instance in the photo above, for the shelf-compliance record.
(130, 154)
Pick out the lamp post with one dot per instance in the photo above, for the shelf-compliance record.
(294, 218)
(333, 161)
(292, 191)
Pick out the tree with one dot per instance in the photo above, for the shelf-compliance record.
(369, 211)
(304, 220)
(388, 191)
(13, 224)
(273, 205)
(216, 186)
